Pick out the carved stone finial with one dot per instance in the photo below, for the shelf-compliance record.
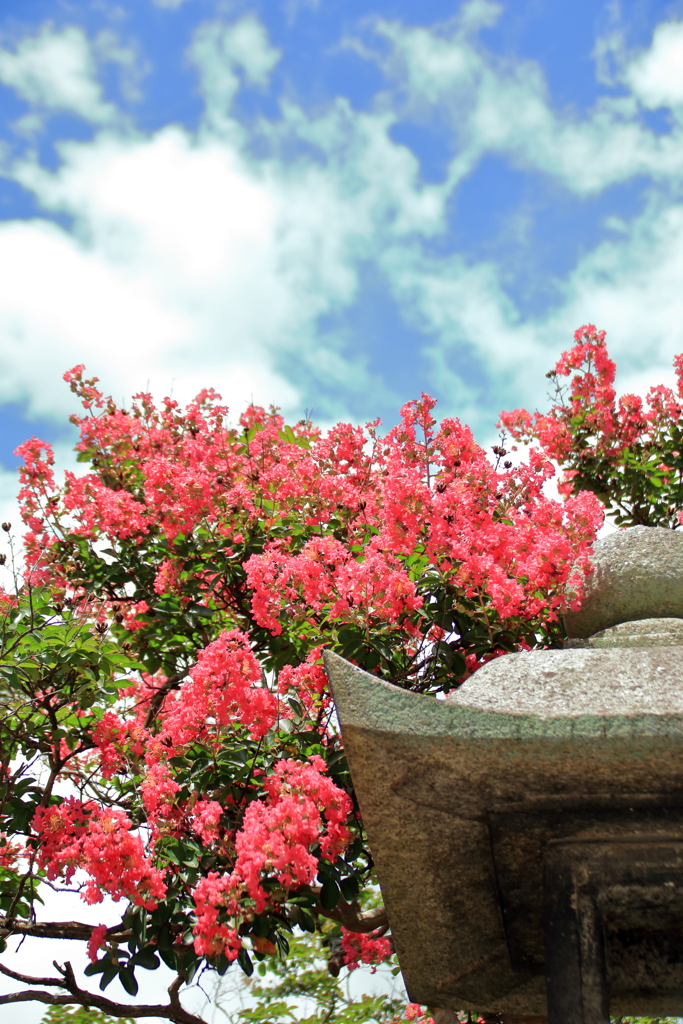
(638, 574)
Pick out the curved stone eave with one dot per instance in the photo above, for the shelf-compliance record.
(371, 704)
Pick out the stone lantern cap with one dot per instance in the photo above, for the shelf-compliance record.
(466, 799)
(637, 575)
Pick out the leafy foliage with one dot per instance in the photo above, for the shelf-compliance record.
(81, 1015)
(310, 994)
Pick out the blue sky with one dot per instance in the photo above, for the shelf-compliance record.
(334, 204)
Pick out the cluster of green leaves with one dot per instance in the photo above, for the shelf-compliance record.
(639, 485)
(81, 1015)
(58, 676)
(310, 994)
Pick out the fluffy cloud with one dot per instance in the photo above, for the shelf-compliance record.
(56, 70)
(629, 285)
(656, 77)
(191, 262)
(496, 105)
(219, 51)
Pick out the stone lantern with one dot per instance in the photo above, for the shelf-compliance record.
(528, 830)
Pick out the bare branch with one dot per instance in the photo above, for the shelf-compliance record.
(28, 980)
(160, 694)
(58, 930)
(34, 995)
(173, 1011)
(352, 917)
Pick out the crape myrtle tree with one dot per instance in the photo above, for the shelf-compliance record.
(629, 452)
(167, 737)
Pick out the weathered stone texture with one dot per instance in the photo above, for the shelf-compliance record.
(553, 684)
(638, 574)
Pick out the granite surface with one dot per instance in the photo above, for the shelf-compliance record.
(638, 574)
(641, 633)
(547, 684)
(459, 799)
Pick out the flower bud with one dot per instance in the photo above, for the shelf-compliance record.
(7, 527)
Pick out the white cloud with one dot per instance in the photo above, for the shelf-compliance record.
(656, 77)
(629, 286)
(187, 265)
(168, 275)
(192, 263)
(108, 48)
(56, 70)
(294, 7)
(503, 106)
(477, 14)
(218, 50)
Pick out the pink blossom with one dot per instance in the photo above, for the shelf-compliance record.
(96, 941)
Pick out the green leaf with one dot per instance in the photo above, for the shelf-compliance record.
(146, 958)
(127, 979)
(244, 960)
(349, 888)
(329, 895)
(108, 976)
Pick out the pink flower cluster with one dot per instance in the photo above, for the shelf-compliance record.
(225, 689)
(414, 1012)
(495, 535)
(216, 908)
(8, 852)
(326, 574)
(422, 490)
(96, 941)
(98, 840)
(304, 810)
(590, 422)
(365, 949)
(108, 738)
(308, 681)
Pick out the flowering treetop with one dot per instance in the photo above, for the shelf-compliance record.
(627, 451)
(166, 736)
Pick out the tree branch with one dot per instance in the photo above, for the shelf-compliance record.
(173, 1010)
(28, 980)
(159, 696)
(33, 995)
(58, 930)
(352, 917)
